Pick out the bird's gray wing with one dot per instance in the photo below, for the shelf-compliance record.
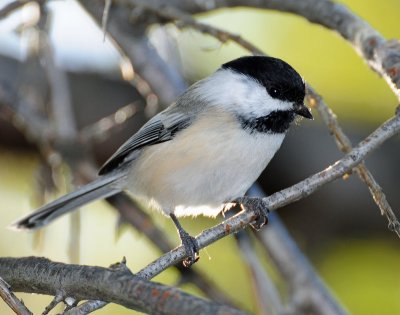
(162, 127)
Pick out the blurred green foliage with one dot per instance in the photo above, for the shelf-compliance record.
(364, 274)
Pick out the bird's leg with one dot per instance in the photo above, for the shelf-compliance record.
(189, 243)
(260, 209)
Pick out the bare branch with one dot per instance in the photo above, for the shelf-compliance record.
(102, 129)
(54, 302)
(86, 308)
(117, 285)
(344, 145)
(104, 19)
(382, 56)
(182, 19)
(62, 110)
(12, 301)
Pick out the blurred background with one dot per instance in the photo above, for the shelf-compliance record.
(339, 228)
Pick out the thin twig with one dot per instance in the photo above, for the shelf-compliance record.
(183, 19)
(86, 308)
(54, 302)
(344, 144)
(102, 129)
(62, 109)
(11, 300)
(104, 19)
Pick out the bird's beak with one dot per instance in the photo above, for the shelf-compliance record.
(302, 110)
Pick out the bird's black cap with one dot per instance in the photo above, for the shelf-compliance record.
(279, 78)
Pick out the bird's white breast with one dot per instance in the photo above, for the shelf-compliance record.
(210, 163)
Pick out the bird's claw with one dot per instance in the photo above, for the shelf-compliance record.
(189, 243)
(191, 247)
(259, 207)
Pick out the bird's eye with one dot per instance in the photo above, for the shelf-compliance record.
(274, 91)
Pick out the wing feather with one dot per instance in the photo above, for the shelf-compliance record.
(162, 127)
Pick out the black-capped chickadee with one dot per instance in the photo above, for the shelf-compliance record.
(203, 151)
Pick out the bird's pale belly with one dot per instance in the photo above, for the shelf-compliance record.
(186, 178)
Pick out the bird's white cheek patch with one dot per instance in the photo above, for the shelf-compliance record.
(234, 91)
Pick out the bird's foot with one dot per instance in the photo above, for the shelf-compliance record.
(189, 243)
(259, 207)
(191, 247)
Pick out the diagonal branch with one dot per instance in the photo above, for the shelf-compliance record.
(344, 144)
(12, 301)
(283, 197)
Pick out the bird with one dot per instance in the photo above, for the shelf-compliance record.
(203, 152)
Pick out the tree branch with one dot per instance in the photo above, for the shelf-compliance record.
(12, 301)
(382, 56)
(117, 285)
(182, 19)
(344, 145)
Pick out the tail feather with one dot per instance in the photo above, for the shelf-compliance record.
(103, 187)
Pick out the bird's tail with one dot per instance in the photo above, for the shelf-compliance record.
(103, 187)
